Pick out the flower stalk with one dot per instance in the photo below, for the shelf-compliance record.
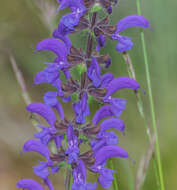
(68, 134)
(154, 122)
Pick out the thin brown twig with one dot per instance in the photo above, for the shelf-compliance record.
(20, 79)
(144, 164)
(24, 92)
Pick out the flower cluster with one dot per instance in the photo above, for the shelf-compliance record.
(67, 135)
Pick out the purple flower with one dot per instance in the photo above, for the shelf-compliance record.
(49, 75)
(101, 156)
(54, 45)
(106, 79)
(106, 177)
(104, 111)
(74, 5)
(124, 42)
(81, 109)
(101, 40)
(45, 111)
(68, 22)
(112, 123)
(41, 170)
(120, 83)
(103, 138)
(44, 135)
(108, 152)
(65, 39)
(117, 105)
(94, 73)
(79, 178)
(36, 146)
(73, 149)
(29, 184)
(50, 99)
(109, 9)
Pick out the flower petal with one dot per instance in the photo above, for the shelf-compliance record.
(41, 170)
(94, 73)
(81, 109)
(112, 123)
(50, 99)
(106, 177)
(104, 111)
(65, 39)
(48, 75)
(29, 184)
(54, 45)
(106, 79)
(121, 83)
(124, 44)
(132, 21)
(36, 146)
(101, 40)
(43, 110)
(108, 152)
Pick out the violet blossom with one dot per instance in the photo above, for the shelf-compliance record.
(60, 140)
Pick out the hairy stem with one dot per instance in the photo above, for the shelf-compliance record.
(154, 123)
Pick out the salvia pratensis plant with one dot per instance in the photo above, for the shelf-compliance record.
(60, 141)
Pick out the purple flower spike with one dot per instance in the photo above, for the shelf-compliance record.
(50, 99)
(44, 111)
(54, 45)
(104, 111)
(94, 73)
(124, 42)
(121, 83)
(112, 123)
(81, 109)
(108, 152)
(29, 184)
(36, 146)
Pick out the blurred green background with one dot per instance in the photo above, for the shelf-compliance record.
(23, 24)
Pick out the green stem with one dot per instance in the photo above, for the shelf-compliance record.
(115, 184)
(154, 124)
(68, 179)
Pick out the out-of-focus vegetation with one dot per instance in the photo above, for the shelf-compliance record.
(21, 28)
